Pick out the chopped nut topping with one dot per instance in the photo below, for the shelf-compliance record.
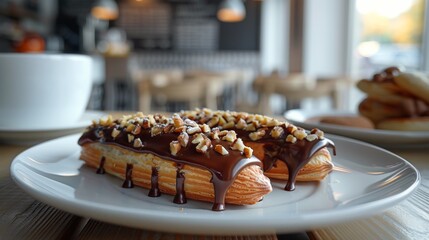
(272, 122)
(228, 125)
(139, 115)
(290, 138)
(180, 129)
(130, 127)
(169, 128)
(242, 115)
(152, 120)
(223, 133)
(214, 134)
(137, 143)
(291, 128)
(231, 136)
(250, 118)
(146, 123)
(192, 130)
(174, 147)
(156, 130)
(204, 146)
(241, 124)
(248, 152)
(277, 132)
(130, 138)
(137, 129)
(183, 139)
(115, 132)
(106, 120)
(318, 132)
(213, 122)
(222, 121)
(230, 118)
(205, 128)
(191, 123)
(198, 138)
(257, 135)
(250, 127)
(311, 137)
(238, 145)
(178, 121)
(207, 111)
(220, 149)
(300, 134)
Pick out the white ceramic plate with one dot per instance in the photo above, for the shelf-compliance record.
(368, 181)
(29, 136)
(384, 138)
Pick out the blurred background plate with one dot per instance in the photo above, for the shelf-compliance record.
(384, 138)
(30, 136)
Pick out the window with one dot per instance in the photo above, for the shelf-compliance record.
(391, 33)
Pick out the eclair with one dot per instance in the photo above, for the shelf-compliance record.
(176, 156)
(215, 156)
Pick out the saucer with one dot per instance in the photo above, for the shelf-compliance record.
(30, 136)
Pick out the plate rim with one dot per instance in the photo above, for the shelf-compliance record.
(313, 219)
(84, 121)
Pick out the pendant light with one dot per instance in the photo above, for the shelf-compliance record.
(105, 10)
(231, 11)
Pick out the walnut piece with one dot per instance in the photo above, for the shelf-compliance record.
(311, 137)
(115, 132)
(290, 138)
(183, 139)
(257, 135)
(277, 132)
(220, 149)
(231, 136)
(130, 138)
(204, 146)
(300, 134)
(248, 152)
(238, 145)
(137, 143)
(175, 147)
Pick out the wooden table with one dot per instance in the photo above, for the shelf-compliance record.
(22, 217)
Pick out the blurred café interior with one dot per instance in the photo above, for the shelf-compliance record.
(264, 56)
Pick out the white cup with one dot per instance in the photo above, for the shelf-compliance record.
(43, 90)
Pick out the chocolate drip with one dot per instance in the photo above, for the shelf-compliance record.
(128, 183)
(154, 189)
(180, 197)
(295, 156)
(100, 169)
(220, 188)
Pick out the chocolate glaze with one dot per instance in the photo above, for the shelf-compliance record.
(224, 169)
(100, 169)
(128, 183)
(180, 197)
(154, 189)
(294, 155)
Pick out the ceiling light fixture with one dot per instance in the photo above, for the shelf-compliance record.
(105, 10)
(231, 11)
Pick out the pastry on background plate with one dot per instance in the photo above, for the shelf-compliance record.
(396, 100)
(347, 121)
